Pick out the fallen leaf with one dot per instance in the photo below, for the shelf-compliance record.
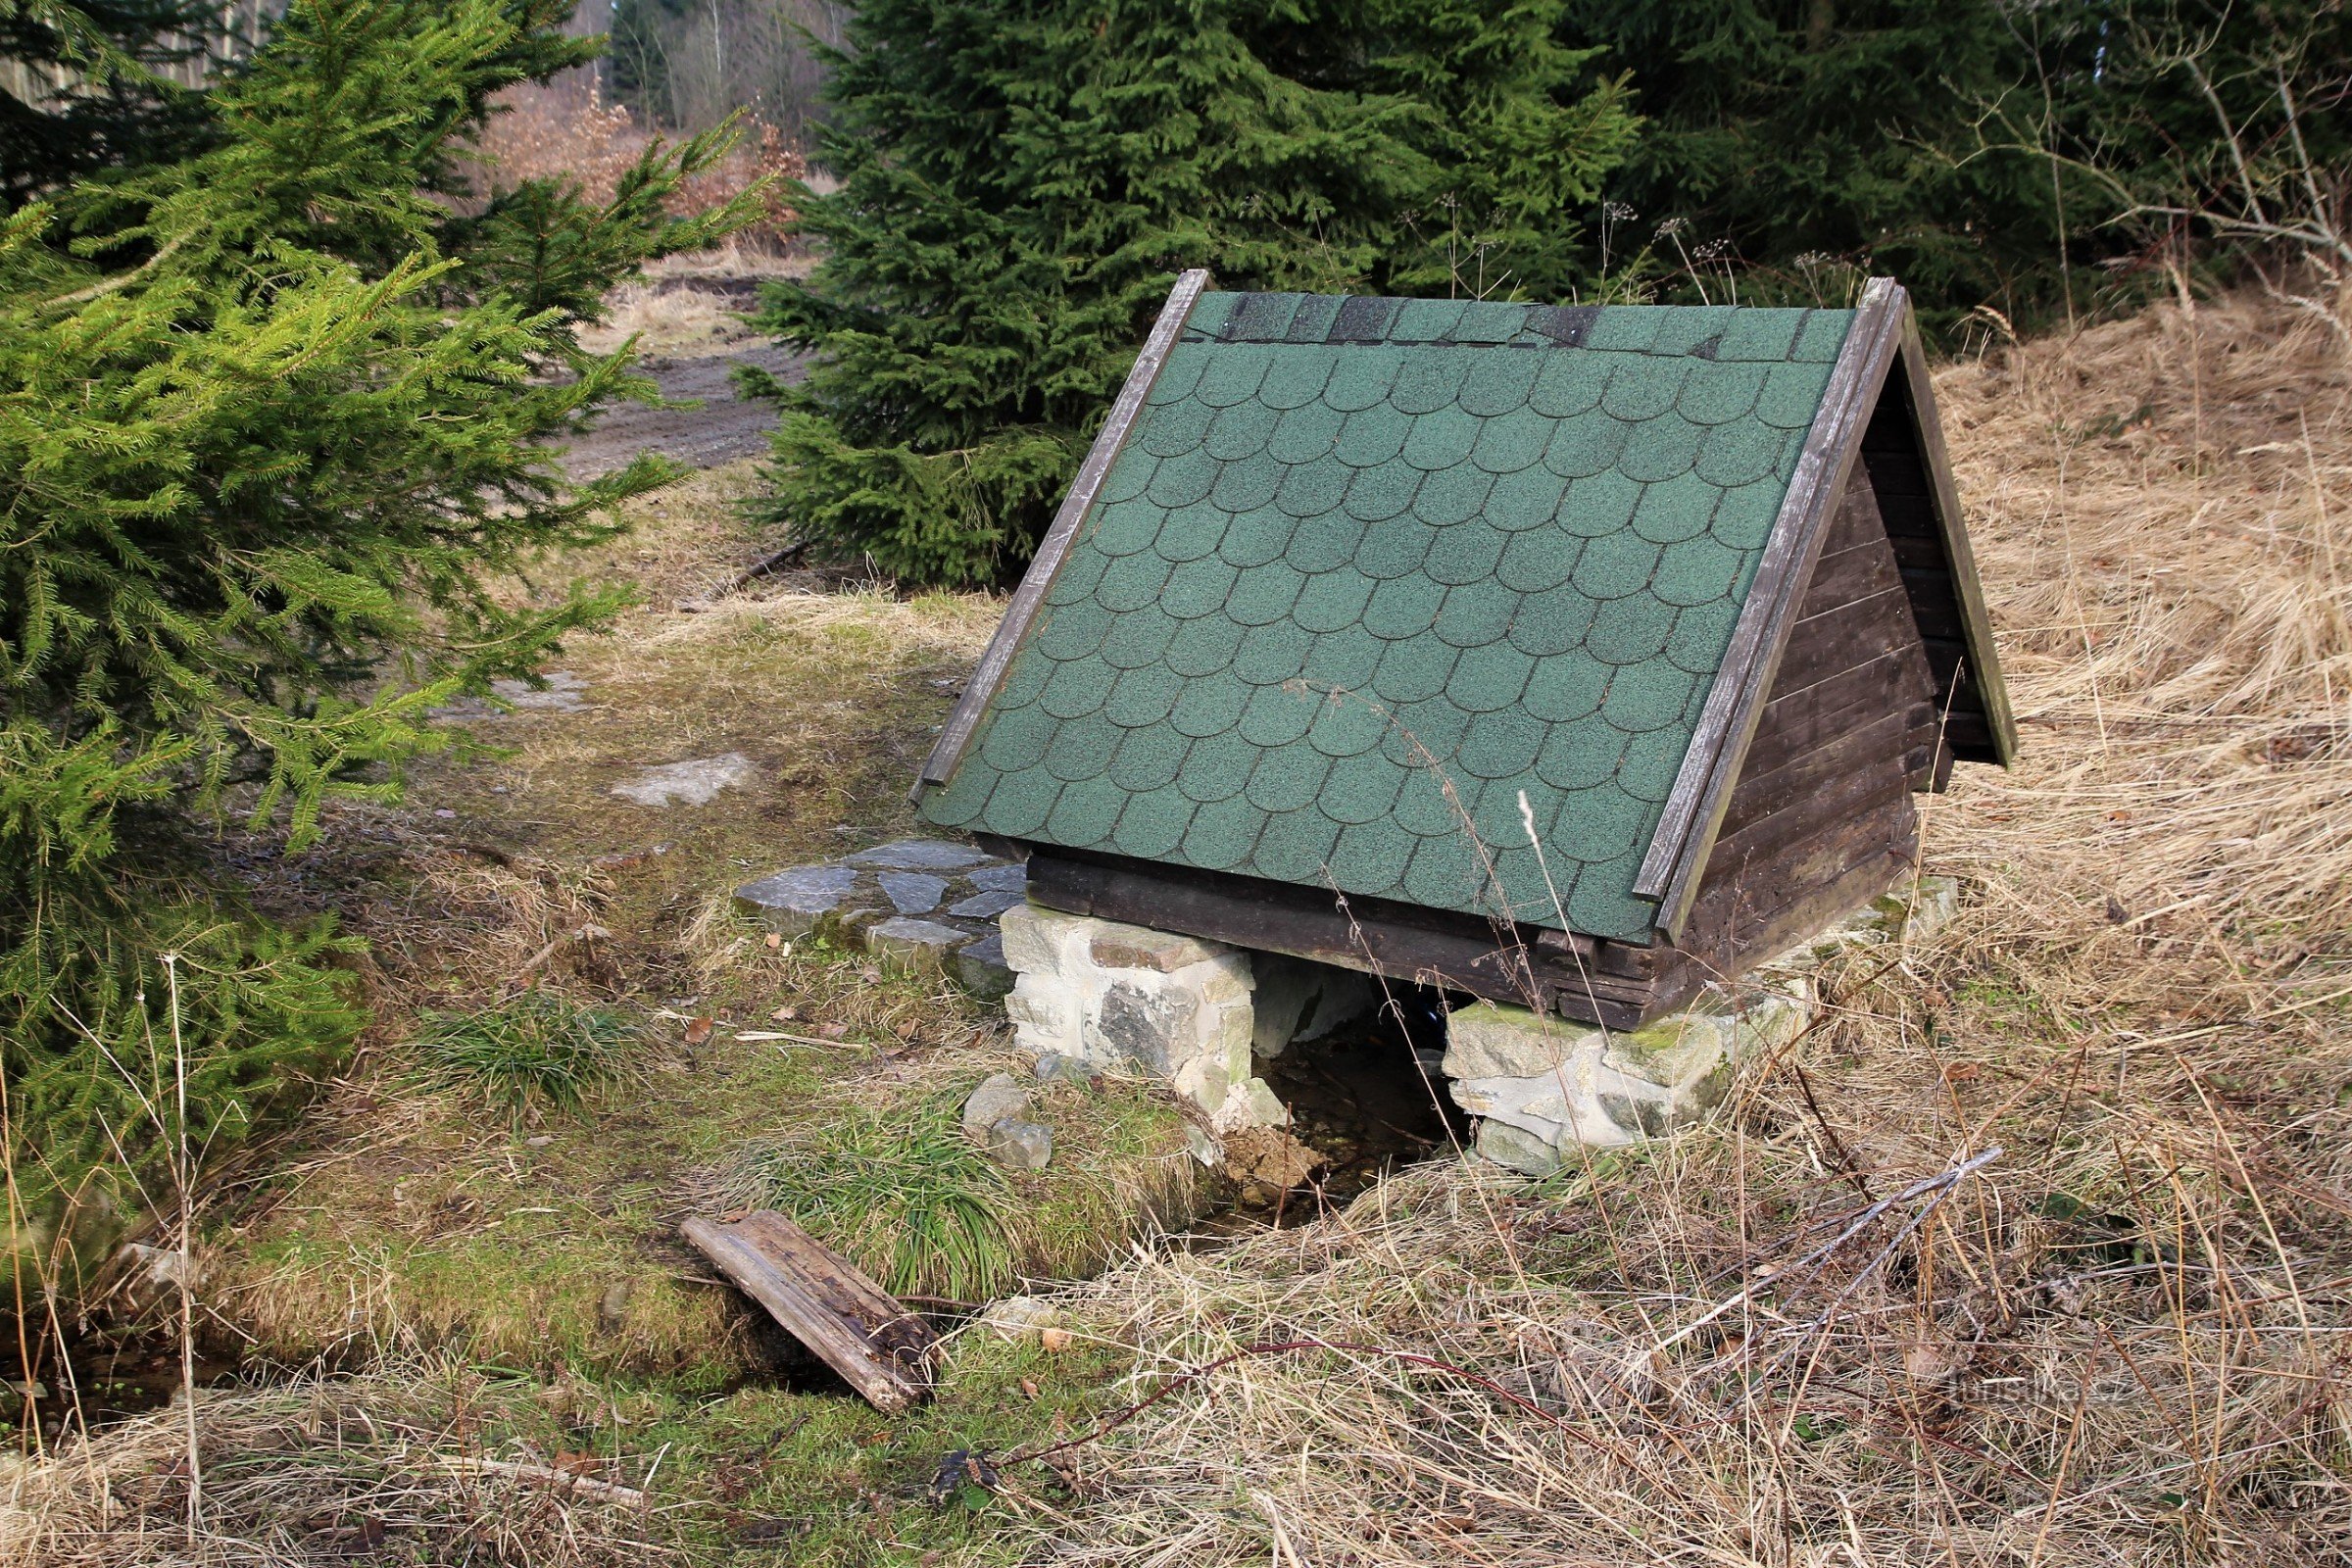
(699, 1031)
(785, 1014)
(832, 1031)
(1053, 1339)
(905, 1028)
(1029, 1389)
(1960, 1072)
(870, 975)
(774, 942)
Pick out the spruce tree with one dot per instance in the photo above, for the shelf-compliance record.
(1019, 184)
(272, 409)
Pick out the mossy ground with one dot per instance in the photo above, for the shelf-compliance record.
(408, 1218)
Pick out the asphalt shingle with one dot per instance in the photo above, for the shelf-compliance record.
(1367, 566)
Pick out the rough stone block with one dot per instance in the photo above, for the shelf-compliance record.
(1515, 1149)
(1250, 1103)
(1046, 1016)
(1135, 947)
(1543, 1087)
(980, 967)
(904, 941)
(1118, 996)
(793, 902)
(1035, 937)
(1297, 1001)
(1494, 1040)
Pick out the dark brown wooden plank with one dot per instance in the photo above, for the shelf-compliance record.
(989, 673)
(1778, 863)
(1755, 936)
(1678, 850)
(859, 1329)
(1877, 745)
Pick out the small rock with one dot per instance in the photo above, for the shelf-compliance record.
(1021, 1145)
(1055, 1067)
(560, 696)
(694, 782)
(538, 1139)
(999, 1096)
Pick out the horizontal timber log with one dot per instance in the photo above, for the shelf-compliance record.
(1496, 960)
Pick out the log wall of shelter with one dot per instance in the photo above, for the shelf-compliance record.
(1821, 819)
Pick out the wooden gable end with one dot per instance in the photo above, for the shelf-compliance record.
(1819, 819)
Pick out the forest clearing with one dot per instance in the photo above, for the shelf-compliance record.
(2033, 1243)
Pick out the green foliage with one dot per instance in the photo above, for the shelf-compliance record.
(95, 1030)
(1018, 186)
(272, 399)
(1997, 152)
(90, 90)
(538, 1049)
(1784, 128)
(902, 1193)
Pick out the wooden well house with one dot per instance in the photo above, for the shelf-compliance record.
(1573, 657)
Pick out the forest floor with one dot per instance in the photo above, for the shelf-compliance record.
(2124, 1337)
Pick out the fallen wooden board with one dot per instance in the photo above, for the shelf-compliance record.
(861, 1330)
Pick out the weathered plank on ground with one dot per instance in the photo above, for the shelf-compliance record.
(861, 1330)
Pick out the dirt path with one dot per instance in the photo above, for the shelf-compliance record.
(724, 429)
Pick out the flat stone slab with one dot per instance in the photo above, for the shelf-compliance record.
(911, 891)
(918, 904)
(694, 782)
(561, 693)
(924, 855)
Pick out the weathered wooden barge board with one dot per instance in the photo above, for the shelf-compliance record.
(859, 1329)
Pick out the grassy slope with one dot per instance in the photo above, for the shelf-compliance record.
(411, 1222)
(2121, 1343)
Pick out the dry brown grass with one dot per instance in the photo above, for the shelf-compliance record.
(2123, 1339)
(402, 1464)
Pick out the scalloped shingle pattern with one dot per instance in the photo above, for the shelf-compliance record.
(1366, 570)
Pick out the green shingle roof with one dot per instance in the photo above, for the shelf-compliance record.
(1366, 569)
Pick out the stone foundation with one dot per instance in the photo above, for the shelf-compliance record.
(920, 905)
(1543, 1088)
(1198, 1012)
(1125, 997)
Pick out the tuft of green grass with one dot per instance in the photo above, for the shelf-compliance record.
(901, 1192)
(534, 1050)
